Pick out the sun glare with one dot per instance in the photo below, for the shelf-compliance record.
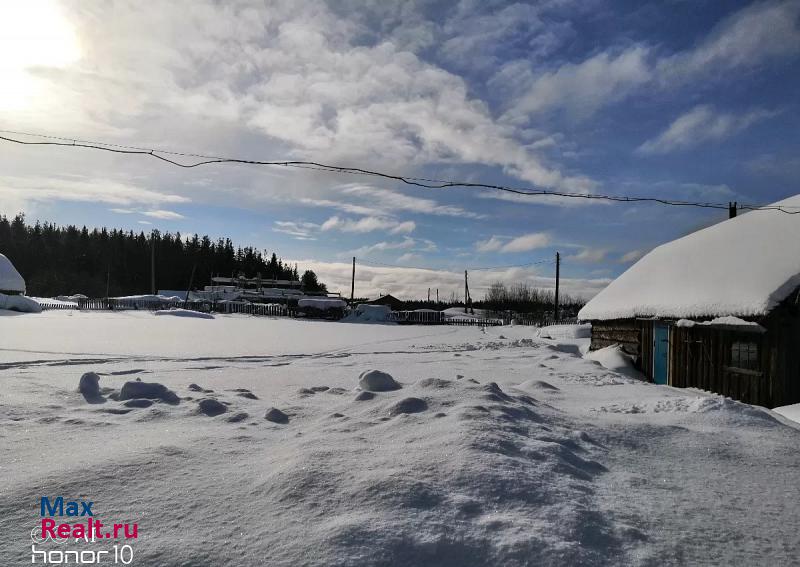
(33, 34)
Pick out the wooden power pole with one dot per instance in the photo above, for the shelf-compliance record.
(558, 277)
(466, 292)
(152, 263)
(353, 282)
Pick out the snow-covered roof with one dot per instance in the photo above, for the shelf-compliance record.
(10, 280)
(743, 267)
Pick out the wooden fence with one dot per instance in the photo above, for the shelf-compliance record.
(439, 318)
(276, 310)
(116, 304)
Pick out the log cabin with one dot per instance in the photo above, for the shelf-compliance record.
(717, 310)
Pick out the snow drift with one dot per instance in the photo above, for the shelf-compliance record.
(19, 303)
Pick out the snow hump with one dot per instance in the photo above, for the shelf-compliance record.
(743, 266)
(10, 280)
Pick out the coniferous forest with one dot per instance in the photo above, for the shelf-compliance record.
(56, 260)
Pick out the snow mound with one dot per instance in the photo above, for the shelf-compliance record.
(89, 384)
(538, 385)
(715, 408)
(791, 412)
(184, 313)
(613, 358)
(377, 381)
(276, 416)
(19, 303)
(408, 405)
(149, 390)
(365, 313)
(211, 407)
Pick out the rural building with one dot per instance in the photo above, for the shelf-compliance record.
(718, 309)
(11, 282)
(390, 300)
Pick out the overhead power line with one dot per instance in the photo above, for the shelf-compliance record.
(413, 181)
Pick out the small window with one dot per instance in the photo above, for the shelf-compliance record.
(744, 355)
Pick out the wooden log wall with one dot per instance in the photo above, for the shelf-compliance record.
(624, 332)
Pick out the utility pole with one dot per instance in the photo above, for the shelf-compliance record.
(353, 282)
(152, 263)
(429, 295)
(191, 283)
(466, 292)
(732, 209)
(437, 295)
(558, 277)
(108, 279)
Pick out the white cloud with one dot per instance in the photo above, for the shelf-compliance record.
(631, 256)
(163, 215)
(409, 257)
(583, 87)
(47, 189)
(526, 242)
(504, 245)
(492, 245)
(404, 244)
(592, 255)
(368, 224)
(408, 283)
(290, 80)
(393, 201)
(298, 230)
(702, 123)
(751, 36)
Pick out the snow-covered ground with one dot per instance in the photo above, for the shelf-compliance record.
(500, 448)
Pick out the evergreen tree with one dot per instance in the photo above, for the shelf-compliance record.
(65, 260)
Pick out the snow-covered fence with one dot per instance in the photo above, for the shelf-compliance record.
(431, 317)
(540, 321)
(148, 304)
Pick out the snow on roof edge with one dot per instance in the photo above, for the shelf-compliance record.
(742, 267)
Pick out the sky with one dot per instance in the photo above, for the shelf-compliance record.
(679, 99)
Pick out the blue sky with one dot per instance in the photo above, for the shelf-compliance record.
(689, 100)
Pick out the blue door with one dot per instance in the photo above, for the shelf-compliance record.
(660, 353)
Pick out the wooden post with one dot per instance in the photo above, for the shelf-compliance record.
(732, 209)
(191, 282)
(466, 291)
(353, 282)
(558, 270)
(152, 263)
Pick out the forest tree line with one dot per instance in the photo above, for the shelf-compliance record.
(64, 260)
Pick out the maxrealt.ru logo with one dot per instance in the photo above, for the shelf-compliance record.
(59, 526)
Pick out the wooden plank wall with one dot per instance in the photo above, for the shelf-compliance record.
(700, 357)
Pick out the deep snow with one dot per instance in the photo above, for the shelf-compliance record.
(499, 448)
